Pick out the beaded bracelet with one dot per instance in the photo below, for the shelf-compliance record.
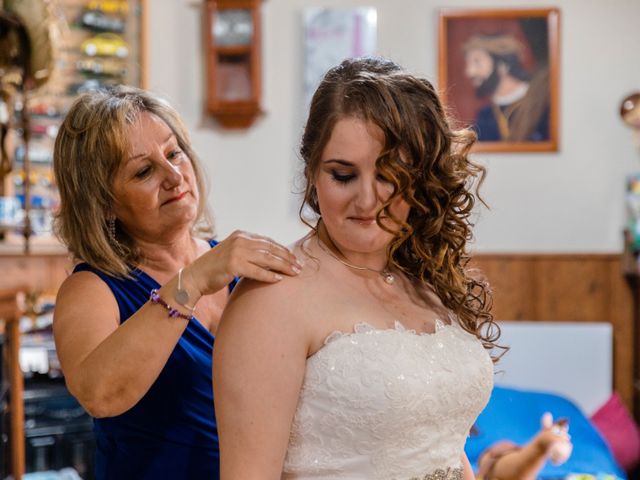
(173, 313)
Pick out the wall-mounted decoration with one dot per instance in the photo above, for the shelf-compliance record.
(332, 35)
(498, 73)
(233, 56)
(630, 115)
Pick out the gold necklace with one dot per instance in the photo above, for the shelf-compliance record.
(384, 273)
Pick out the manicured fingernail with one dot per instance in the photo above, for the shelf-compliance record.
(295, 269)
(300, 262)
(278, 277)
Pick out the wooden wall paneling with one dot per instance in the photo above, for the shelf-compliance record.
(621, 309)
(513, 286)
(60, 267)
(29, 271)
(572, 288)
(35, 272)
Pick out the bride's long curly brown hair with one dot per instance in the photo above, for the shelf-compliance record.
(428, 164)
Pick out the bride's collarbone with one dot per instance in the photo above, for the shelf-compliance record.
(343, 313)
(341, 302)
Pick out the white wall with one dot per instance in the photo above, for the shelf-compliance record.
(567, 201)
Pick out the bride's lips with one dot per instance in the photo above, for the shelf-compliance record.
(363, 220)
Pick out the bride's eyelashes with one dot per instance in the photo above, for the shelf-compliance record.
(342, 177)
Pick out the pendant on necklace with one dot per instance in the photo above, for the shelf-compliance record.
(388, 278)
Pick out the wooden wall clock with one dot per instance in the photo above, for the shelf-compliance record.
(233, 51)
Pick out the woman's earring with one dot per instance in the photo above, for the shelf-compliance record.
(111, 229)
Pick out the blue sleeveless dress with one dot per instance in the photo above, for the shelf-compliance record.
(171, 432)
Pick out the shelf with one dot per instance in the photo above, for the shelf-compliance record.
(233, 50)
(13, 245)
(9, 227)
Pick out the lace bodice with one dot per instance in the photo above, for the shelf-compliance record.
(388, 404)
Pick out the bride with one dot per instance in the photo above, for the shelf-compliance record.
(370, 364)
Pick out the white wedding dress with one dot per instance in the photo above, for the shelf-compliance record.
(389, 404)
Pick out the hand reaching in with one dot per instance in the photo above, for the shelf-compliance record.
(554, 439)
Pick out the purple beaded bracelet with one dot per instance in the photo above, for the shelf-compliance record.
(173, 313)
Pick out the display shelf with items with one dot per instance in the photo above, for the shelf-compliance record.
(100, 43)
(632, 229)
(630, 115)
(233, 56)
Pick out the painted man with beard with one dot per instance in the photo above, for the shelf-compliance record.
(518, 110)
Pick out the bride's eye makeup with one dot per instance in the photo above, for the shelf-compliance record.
(342, 177)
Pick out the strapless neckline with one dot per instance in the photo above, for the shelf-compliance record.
(366, 327)
(388, 403)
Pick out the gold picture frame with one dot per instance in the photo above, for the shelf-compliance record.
(499, 75)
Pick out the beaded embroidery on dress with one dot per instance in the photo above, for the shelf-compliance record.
(389, 404)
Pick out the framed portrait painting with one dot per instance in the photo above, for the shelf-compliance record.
(499, 75)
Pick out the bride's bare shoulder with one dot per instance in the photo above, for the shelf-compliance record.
(285, 294)
(273, 310)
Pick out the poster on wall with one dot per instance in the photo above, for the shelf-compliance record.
(498, 74)
(332, 35)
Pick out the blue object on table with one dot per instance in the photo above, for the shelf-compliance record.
(515, 415)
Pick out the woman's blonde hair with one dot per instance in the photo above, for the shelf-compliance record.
(90, 146)
(437, 180)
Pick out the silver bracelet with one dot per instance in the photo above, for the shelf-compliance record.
(182, 296)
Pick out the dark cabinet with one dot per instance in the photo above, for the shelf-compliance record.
(58, 431)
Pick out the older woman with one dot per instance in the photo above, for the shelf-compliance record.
(134, 324)
(378, 369)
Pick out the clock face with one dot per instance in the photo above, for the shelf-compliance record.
(233, 26)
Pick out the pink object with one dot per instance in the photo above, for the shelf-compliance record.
(620, 431)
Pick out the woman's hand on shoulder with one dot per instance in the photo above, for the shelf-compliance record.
(242, 254)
